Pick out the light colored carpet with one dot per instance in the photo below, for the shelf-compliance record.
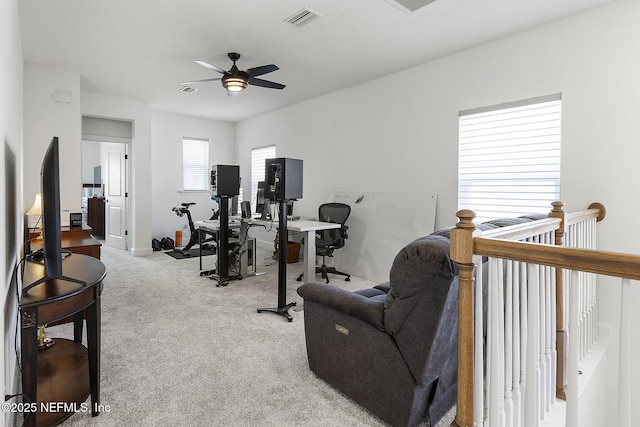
(179, 351)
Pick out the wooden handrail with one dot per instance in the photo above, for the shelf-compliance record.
(596, 210)
(591, 261)
(523, 231)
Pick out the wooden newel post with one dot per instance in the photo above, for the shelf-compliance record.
(561, 328)
(462, 253)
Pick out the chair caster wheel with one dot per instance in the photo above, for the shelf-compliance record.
(348, 279)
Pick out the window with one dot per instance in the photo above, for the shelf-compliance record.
(509, 158)
(195, 164)
(258, 156)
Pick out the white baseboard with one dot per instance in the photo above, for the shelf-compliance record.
(141, 252)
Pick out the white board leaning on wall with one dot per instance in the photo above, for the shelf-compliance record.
(380, 224)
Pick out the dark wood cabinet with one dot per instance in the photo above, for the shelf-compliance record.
(95, 215)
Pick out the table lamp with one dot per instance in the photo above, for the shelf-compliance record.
(35, 211)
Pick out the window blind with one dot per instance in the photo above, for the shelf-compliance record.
(195, 164)
(258, 156)
(509, 158)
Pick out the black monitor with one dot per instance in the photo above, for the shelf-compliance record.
(51, 219)
(260, 197)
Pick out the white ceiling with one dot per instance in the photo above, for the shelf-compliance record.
(142, 49)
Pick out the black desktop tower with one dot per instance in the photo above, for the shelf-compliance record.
(225, 180)
(283, 179)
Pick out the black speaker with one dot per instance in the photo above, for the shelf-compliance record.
(245, 208)
(283, 179)
(225, 180)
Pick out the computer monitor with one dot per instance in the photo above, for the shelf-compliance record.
(260, 197)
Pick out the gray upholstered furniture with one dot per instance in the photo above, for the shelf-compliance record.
(391, 348)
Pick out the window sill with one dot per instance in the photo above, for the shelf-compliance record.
(195, 192)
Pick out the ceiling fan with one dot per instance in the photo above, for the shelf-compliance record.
(235, 80)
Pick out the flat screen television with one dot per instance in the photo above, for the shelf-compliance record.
(52, 251)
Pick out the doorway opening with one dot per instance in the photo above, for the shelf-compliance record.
(105, 179)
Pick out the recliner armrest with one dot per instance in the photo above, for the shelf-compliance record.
(369, 310)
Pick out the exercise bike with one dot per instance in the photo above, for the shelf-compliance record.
(197, 235)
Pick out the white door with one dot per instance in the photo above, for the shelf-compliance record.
(115, 196)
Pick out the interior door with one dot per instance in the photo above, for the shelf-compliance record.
(115, 196)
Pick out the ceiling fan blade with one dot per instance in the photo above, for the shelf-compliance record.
(210, 66)
(199, 81)
(265, 83)
(258, 71)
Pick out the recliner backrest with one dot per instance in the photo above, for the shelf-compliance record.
(420, 281)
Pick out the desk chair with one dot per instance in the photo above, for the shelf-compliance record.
(329, 240)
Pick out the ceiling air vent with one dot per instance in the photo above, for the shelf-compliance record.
(302, 17)
(188, 89)
(410, 5)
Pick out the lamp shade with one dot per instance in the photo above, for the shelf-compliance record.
(36, 209)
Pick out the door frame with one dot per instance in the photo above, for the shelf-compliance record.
(127, 187)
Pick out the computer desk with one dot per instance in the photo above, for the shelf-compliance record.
(301, 225)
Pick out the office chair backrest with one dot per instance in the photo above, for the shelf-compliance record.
(336, 213)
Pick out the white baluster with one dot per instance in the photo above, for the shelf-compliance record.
(624, 360)
(495, 343)
(574, 350)
(501, 341)
(524, 337)
(508, 345)
(516, 384)
(478, 349)
(532, 392)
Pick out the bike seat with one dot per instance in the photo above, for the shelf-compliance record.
(186, 205)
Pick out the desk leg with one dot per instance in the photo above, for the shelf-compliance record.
(310, 256)
(244, 256)
(29, 360)
(93, 347)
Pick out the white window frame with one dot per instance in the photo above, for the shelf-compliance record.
(509, 158)
(195, 164)
(258, 156)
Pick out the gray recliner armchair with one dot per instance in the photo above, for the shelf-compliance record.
(391, 348)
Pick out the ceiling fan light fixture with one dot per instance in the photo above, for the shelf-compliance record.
(235, 80)
(234, 84)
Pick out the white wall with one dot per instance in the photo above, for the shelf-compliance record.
(90, 159)
(139, 113)
(167, 132)
(385, 136)
(45, 118)
(11, 219)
